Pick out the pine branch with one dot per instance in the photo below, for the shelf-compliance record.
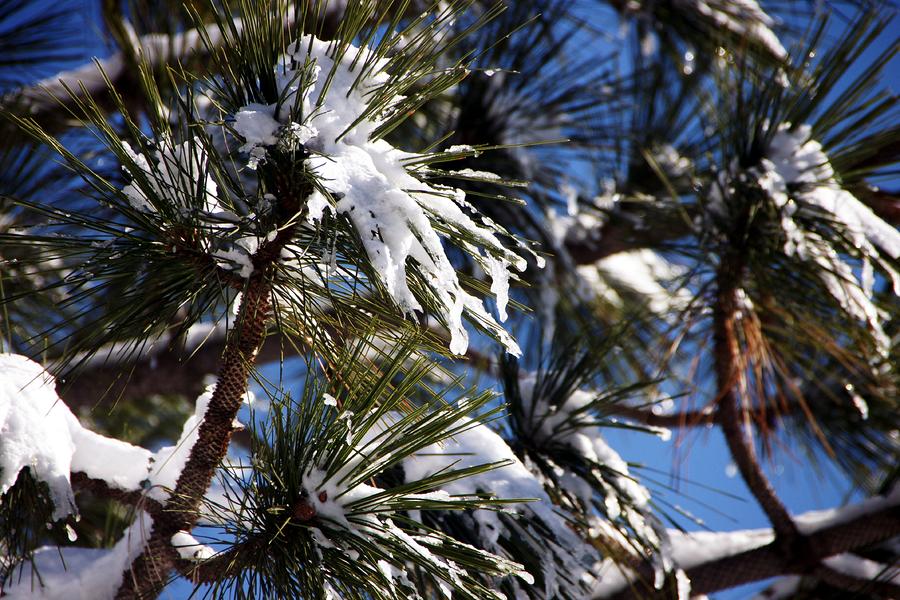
(98, 487)
(149, 572)
(623, 231)
(855, 585)
(223, 564)
(49, 102)
(764, 562)
(731, 416)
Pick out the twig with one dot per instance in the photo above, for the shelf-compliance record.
(731, 414)
(98, 487)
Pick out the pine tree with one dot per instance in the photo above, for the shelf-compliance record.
(308, 299)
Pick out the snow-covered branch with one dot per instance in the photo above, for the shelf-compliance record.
(716, 561)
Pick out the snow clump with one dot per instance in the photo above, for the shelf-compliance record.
(400, 219)
(38, 431)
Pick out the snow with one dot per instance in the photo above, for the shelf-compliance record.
(698, 547)
(479, 445)
(744, 18)
(863, 569)
(189, 548)
(180, 175)
(570, 193)
(673, 164)
(644, 272)
(694, 548)
(37, 430)
(180, 172)
(34, 431)
(168, 462)
(795, 161)
(70, 573)
(683, 585)
(813, 521)
(459, 148)
(256, 123)
(570, 424)
(472, 174)
(640, 272)
(799, 159)
(393, 211)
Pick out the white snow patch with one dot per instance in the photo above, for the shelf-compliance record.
(256, 123)
(71, 573)
(168, 462)
(37, 430)
(189, 548)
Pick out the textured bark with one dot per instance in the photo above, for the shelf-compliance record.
(222, 565)
(150, 571)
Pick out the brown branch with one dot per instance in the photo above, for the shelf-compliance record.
(856, 586)
(149, 572)
(98, 487)
(221, 565)
(769, 561)
(170, 367)
(644, 416)
(732, 416)
(624, 230)
(50, 104)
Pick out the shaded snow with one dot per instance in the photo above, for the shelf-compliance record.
(71, 573)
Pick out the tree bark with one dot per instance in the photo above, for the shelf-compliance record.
(150, 571)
